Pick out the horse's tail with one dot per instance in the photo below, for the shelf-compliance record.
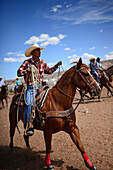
(14, 117)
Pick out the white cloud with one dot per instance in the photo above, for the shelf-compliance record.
(101, 30)
(73, 56)
(14, 59)
(10, 53)
(111, 52)
(56, 8)
(32, 40)
(45, 39)
(67, 6)
(74, 60)
(84, 56)
(108, 57)
(67, 49)
(92, 48)
(84, 12)
(20, 55)
(105, 47)
(61, 36)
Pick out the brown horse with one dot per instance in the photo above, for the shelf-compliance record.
(103, 82)
(60, 98)
(109, 73)
(4, 95)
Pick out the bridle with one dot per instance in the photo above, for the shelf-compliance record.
(78, 71)
(84, 80)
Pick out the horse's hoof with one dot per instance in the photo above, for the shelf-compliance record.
(100, 100)
(11, 145)
(50, 167)
(93, 168)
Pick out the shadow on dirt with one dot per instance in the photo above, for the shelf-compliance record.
(22, 159)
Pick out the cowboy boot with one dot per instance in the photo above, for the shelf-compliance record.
(30, 127)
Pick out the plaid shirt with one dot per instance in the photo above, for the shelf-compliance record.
(41, 66)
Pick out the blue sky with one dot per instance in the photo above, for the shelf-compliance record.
(69, 29)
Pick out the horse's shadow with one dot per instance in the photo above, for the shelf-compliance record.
(23, 159)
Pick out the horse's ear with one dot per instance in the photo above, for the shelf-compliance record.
(79, 63)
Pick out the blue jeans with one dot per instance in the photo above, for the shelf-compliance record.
(29, 104)
(94, 72)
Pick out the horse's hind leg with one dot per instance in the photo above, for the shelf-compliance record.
(6, 103)
(2, 104)
(12, 131)
(75, 136)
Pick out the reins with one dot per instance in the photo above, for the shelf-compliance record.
(88, 86)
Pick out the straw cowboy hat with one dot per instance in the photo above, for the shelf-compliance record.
(93, 58)
(31, 48)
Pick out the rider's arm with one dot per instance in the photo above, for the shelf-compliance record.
(49, 70)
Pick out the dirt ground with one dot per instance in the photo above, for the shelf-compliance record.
(96, 130)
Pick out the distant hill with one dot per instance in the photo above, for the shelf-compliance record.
(107, 63)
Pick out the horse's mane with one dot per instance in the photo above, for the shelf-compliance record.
(109, 67)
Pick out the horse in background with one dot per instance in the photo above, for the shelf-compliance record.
(104, 81)
(4, 95)
(109, 73)
(59, 100)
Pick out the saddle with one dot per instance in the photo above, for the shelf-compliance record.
(40, 115)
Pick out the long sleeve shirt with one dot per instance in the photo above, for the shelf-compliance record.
(93, 66)
(99, 66)
(41, 66)
(2, 83)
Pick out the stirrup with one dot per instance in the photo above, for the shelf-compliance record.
(29, 130)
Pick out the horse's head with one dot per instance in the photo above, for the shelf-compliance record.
(84, 80)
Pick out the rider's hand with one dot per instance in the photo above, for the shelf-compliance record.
(59, 63)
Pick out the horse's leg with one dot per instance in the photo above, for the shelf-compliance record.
(100, 93)
(75, 136)
(12, 131)
(26, 138)
(48, 138)
(108, 88)
(6, 102)
(2, 104)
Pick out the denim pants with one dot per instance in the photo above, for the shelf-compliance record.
(94, 72)
(29, 104)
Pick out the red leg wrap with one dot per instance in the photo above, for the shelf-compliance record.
(86, 158)
(47, 159)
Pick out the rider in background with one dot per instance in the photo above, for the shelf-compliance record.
(94, 68)
(1, 83)
(25, 70)
(101, 69)
(99, 65)
(17, 83)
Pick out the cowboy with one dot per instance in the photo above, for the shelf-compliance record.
(99, 65)
(1, 83)
(25, 70)
(94, 68)
(101, 69)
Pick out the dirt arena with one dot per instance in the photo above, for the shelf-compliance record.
(96, 129)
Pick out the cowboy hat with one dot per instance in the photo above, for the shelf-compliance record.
(31, 48)
(93, 58)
